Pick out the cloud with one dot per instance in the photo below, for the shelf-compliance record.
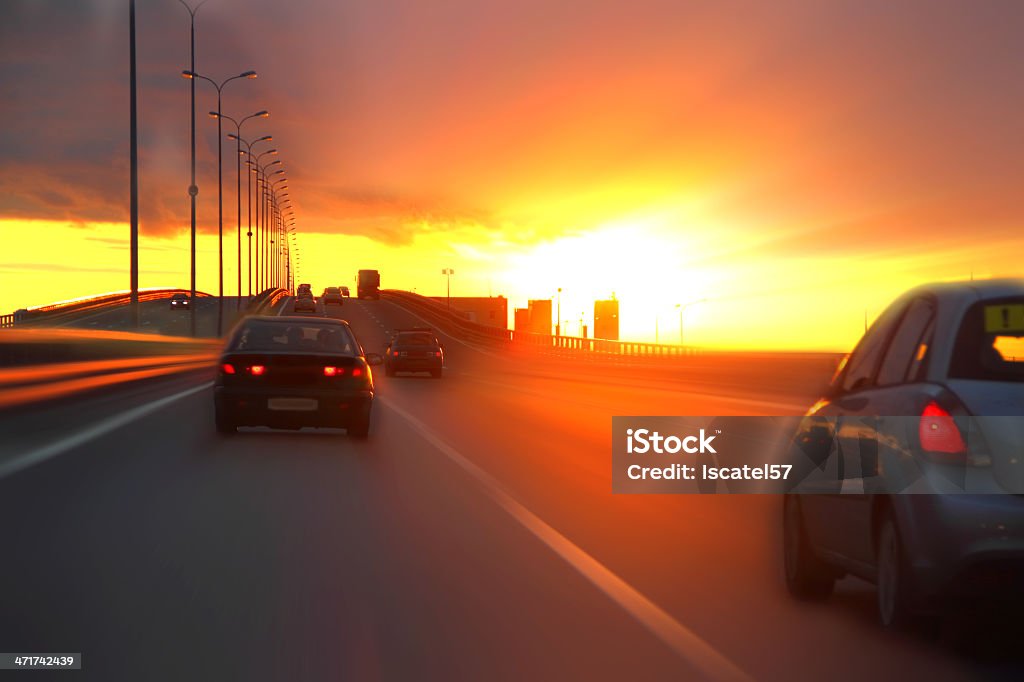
(396, 119)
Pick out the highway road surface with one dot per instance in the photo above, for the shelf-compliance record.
(473, 536)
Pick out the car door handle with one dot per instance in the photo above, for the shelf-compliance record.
(853, 404)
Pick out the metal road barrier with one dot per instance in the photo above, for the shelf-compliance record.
(455, 324)
(55, 313)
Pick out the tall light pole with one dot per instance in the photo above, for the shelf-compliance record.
(558, 317)
(269, 262)
(238, 189)
(449, 272)
(248, 196)
(133, 190)
(193, 189)
(682, 307)
(192, 75)
(260, 192)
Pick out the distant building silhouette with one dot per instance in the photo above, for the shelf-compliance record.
(606, 320)
(522, 320)
(540, 316)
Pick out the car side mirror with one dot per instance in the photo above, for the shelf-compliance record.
(374, 359)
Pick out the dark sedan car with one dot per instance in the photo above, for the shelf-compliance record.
(332, 296)
(916, 476)
(292, 372)
(180, 302)
(305, 304)
(414, 350)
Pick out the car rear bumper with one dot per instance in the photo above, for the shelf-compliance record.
(416, 365)
(252, 408)
(964, 547)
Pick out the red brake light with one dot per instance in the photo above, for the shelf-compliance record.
(332, 371)
(257, 370)
(437, 354)
(395, 353)
(357, 371)
(940, 435)
(227, 369)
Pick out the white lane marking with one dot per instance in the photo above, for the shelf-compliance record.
(41, 454)
(685, 642)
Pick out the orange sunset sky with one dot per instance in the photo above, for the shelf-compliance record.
(796, 164)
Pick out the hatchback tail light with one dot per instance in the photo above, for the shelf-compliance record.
(940, 436)
(227, 368)
(332, 371)
(257, 370)
(357, 371)
(437, 354)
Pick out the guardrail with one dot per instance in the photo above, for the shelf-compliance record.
(265, 301)
(54, 313)
(455, 324)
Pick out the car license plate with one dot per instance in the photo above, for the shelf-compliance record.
(292, 404)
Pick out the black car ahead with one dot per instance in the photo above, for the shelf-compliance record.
(291, 372)
(180, 302)
(305, 304)
(414, 350)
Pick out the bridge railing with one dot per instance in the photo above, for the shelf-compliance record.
(56, 312)
(453, 323)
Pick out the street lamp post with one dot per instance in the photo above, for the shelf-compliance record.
(449, 272)
(133, 181)
(270, 261)
(558, 317)
(261, 210)
(192, 75)
(248, 197)
(682, 307)
(238, 189)
(193, 190)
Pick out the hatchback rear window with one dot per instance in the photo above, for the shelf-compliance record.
(294, 338)
(416, 340)
(990, 343)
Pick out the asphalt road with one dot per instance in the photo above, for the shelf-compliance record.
(473, 536)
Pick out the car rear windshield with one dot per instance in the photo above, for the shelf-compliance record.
(333, 290)
(295, 337)
(990, 343)
(416, 339)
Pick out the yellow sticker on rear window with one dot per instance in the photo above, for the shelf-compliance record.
(1004, 318)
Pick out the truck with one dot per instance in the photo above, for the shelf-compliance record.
(368, 284)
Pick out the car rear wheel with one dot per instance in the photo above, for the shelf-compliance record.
(807, 576)
(224, 425)
(895, 580)
(359, 427)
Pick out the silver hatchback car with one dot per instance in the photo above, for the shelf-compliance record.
(917, 482)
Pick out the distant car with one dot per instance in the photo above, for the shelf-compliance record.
(414, 350)
(345, 292)
(304, 290)
(332, 296)
(923, 415)
(180, 301)
(305, 304)
(294, 372)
